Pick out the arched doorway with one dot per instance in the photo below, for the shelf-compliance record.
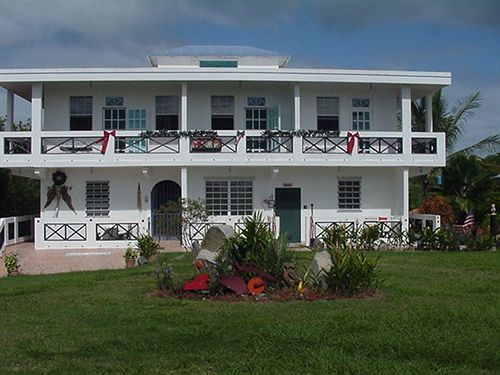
(165, 223)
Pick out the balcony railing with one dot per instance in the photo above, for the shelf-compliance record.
(228, 145)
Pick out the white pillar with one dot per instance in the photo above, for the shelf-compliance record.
(297, 141)
(406, 198)
(36, 116)
(428, 113)
(406, 118)
(9, 124)
(184, 123)
(184, 183)
(296, 97)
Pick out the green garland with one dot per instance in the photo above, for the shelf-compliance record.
(301, 133)
(177, 133)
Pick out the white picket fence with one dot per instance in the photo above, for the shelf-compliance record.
(14, 230)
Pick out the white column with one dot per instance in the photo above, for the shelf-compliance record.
(36, 117)
(184, 142)
(406, 118)
(296, 98)
(184, 123)
(406, 198)
(9, 124)
(184, 183)
(297, 141)
(428, 113)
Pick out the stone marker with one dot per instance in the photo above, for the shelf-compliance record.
(321, 261)
(215, 237)
(207, 256)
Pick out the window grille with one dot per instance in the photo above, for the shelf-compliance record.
(256, 101)
(349, 194)
(97, 198)
(114, 101)
(229, 197)
(80, 105)
(222, 105)
(167, 105)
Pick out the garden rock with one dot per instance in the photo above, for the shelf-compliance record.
(216, 236)
(207, 256)
(321, 261)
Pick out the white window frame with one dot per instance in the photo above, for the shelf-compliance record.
(361, 107)
(330, 112)
(231, 198)
(97, 198)
(350, 201)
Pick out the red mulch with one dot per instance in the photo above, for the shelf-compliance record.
(282, 295)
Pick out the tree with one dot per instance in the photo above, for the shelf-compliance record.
(452, 122)
(468, 181)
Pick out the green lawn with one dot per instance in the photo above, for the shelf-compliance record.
(439, 314)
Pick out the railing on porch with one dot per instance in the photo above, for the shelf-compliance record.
(423, 146)
(71, 145)
(269, 144)
(15, 230)
(390, 230)
(324, 144)
(380, 145)
(117, 231)
(424, 221)
(214, 143)
(148, 145)
(17, 145)
(323, 226)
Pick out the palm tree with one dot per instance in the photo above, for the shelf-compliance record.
(452, 122)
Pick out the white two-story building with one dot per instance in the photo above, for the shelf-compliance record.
(230, 125)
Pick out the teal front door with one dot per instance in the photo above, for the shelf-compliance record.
(287, 207)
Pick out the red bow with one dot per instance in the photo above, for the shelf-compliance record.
(105, 139)
(351, 140)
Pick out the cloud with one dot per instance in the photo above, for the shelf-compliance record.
(357, 14)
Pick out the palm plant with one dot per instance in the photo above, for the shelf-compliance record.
(452, 122)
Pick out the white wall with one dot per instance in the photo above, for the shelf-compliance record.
(141, 95)
(383, 104)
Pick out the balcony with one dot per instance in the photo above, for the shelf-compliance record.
(250, 147)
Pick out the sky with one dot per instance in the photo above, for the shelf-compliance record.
(457, 36)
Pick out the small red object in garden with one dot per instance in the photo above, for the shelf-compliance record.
(200, 282)
(198, 264)
(256, 285)
(234, 283)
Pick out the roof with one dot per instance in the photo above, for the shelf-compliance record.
(217, 50)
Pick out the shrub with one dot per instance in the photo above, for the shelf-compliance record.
(437, 205)
(11, 263)
(256, 245)
(164, 274)
(130, 253)
(441, 239)
(351, 272)
(147, 246)
(479, 243)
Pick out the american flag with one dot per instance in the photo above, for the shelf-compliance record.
(469, 221)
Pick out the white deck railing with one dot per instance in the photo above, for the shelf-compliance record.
(14, 230)
(422, 221)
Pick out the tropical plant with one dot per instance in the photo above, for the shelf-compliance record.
(147, 246)
(256, 245)
(335, 237)
(369, 235)
(441, 239)
(467, 181)
(164, 274)
(130, 253)
(479, 243)
(11, 263)
(437, 205)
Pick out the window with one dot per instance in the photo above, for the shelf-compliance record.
(229, 197)
(349, 194)
(328, 113)
(361, 114)
(167, 112)
(80, 113)
(218, 64)
(137, 119)
(222, 112)
(97, 198)
(256, 113)
(114, 118)
(114, 101)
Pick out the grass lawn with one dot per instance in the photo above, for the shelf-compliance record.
(440, 314)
